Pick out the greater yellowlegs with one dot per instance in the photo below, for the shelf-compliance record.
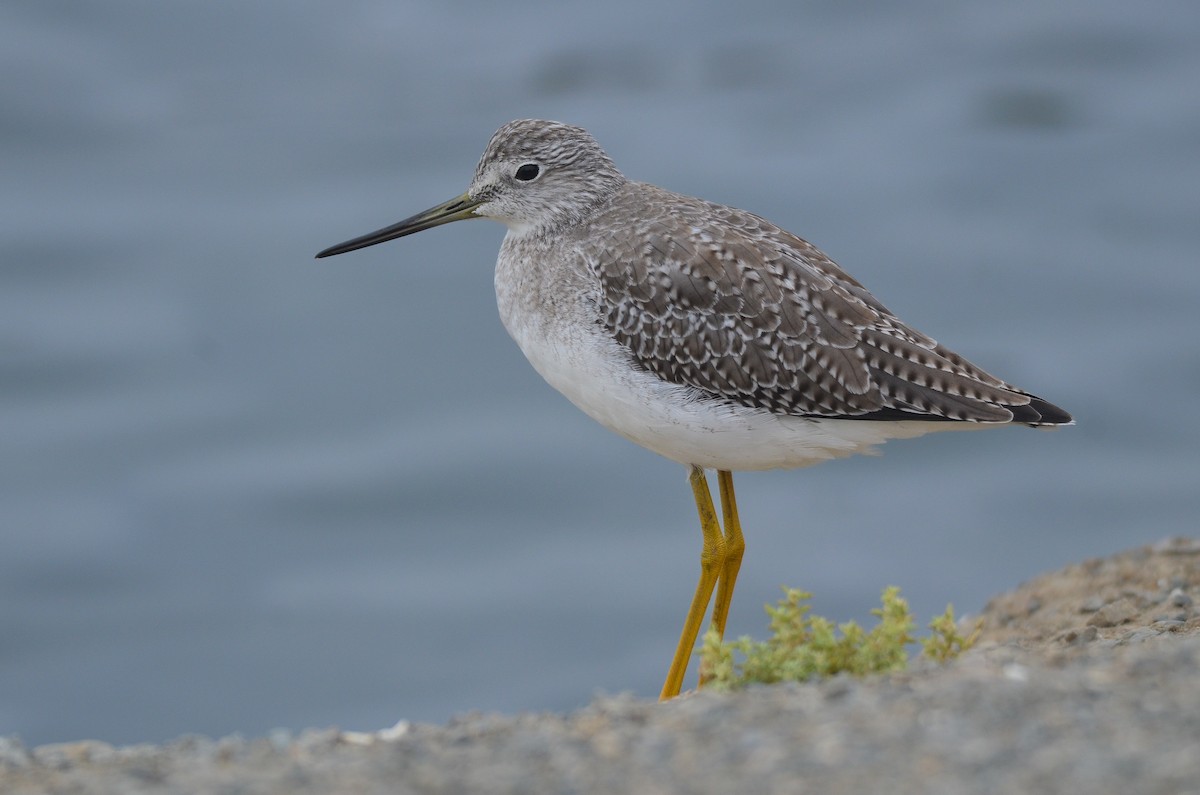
(704, 333)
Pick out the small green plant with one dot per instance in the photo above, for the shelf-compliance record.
(946, 642)
(802, 647)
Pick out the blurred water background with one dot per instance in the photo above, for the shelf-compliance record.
(242, 489)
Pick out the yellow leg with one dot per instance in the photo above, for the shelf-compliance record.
(712, 561)
(734, 546)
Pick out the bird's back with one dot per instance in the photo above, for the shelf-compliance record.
(726, 302)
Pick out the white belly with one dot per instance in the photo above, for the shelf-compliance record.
(594, 373)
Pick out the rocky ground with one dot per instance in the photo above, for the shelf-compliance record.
(1085, 680)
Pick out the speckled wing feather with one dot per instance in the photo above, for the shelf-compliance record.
(747, 312)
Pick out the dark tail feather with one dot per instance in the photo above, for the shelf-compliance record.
(1040, 412)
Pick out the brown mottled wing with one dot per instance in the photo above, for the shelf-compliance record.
(750, 313)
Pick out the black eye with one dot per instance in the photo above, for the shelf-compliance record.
(527, 172)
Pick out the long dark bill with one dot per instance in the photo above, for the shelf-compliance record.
(457, 209)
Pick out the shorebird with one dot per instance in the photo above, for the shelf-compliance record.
(702, 332)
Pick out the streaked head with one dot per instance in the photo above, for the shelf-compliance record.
(534, 176)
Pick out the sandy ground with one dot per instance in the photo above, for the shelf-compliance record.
(1085, 680)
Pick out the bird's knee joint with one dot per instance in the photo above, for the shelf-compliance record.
(713, 556)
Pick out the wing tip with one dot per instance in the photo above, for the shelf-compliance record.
(1039, 413)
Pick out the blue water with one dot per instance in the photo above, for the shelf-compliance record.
(244, 489)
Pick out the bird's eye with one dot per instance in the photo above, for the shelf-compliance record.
(528, 172)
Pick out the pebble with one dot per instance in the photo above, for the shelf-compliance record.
(1119, 612)
(1139, 635)
(400, 729)
(1179, 598)
(1078, 637)
(279, 738)
(1168, 622)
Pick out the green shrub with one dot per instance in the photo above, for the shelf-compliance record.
(802, 646)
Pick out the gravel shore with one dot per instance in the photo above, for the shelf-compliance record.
(1085, 680)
